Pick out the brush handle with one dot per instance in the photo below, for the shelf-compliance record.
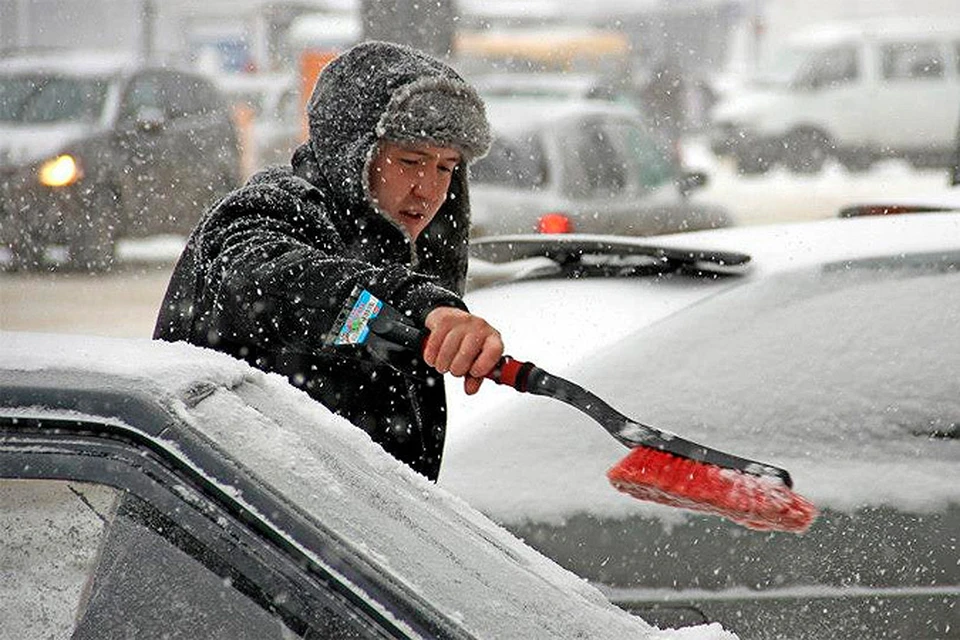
(529, 378)
(393, 327)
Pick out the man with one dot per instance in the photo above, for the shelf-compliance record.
(377, 198)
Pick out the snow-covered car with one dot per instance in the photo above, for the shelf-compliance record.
(153, 490)
(586, 166)
(98, 146)
(827, 348)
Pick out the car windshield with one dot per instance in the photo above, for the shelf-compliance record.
(30, 99)
(858, 354)
(512, 162)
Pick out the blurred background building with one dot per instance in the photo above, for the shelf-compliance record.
(698, 37)
(703, 49)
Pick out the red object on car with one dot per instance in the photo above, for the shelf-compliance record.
(554, 223)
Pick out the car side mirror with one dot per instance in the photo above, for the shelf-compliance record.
(690, 181)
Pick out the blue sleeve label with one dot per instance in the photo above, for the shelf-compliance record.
(355, 328)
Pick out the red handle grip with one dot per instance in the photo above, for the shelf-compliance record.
(513, 373)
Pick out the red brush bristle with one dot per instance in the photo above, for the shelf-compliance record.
(760, 503)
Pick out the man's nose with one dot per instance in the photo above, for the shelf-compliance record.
(429, 185)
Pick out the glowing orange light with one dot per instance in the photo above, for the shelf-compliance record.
(554, 223)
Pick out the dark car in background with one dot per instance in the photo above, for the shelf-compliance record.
(97, 146)
(560, 164)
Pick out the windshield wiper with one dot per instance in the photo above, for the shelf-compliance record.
(590, 257)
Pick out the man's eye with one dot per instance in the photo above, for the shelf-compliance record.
(410, 162)
(448, 168)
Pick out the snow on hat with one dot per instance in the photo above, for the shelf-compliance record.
(440, 111)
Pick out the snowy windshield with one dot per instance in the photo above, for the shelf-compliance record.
(44, 99)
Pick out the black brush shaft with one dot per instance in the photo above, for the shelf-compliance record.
(633, 434)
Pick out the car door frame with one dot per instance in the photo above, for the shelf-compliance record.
(84, 434)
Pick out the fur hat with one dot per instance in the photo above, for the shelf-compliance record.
(440, 111)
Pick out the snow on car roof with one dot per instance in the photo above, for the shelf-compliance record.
(470, 568)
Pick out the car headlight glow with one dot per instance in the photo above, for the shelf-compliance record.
(61, 171)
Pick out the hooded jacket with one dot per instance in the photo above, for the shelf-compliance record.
(268, 268)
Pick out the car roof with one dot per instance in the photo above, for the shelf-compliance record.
(516, 114)
(417, 535)
(882, 28)
(569, 85)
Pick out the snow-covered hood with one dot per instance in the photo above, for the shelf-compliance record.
(22, 145)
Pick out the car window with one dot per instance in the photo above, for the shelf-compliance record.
(597, 165)
(911, 60)
(143, 92)
(514, 162)
(45, 99)
(186, 95)
(831, 67)
(647, 158)
(99, 561)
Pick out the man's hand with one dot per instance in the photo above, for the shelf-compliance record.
(462, 344)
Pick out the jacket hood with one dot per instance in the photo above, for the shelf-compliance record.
(379, 90)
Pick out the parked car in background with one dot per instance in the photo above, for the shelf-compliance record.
(274, 115)
(857, 92)
(152, 490)
(96, 146)
(826, 348)
(589, 166)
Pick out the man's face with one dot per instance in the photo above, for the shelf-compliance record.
(409, 182)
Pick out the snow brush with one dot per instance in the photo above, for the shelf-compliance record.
(662, 467)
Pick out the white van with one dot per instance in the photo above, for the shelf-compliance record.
(859, 92)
